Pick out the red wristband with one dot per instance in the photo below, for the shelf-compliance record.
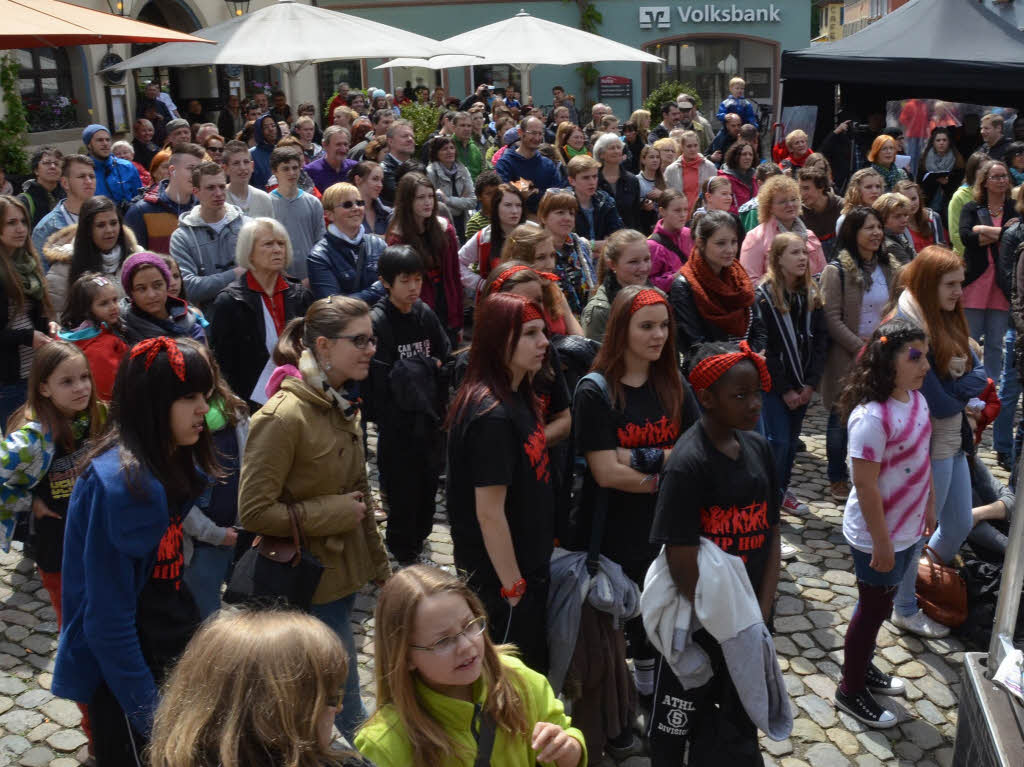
(517, 590)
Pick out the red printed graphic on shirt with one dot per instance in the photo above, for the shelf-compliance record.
(536, 449)
(170, 557)
(736, 530)
(661, 433)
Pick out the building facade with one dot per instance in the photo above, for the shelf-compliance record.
(702, 42)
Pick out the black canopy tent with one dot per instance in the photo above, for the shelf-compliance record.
(953, 50)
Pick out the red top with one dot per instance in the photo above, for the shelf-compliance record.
(275, 303)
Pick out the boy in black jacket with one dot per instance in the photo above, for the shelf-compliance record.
(406, 397)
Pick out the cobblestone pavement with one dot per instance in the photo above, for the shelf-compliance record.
(816, 599)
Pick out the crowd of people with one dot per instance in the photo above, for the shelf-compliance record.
(598, 341)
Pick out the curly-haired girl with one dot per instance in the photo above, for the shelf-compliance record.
(892, 501)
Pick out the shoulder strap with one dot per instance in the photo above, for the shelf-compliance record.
(483, 720)
(600, 516)
(666, 242)
(842, 274)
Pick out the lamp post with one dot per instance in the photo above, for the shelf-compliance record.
(236, 7)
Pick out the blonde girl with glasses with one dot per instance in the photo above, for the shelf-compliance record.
(446, 692)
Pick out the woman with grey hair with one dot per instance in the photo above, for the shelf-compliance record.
(251, 312)
(622, 185)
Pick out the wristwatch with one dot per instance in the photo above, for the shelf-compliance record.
(517, 590)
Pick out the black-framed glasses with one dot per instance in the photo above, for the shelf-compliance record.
(444, 645)
(360, 341)
(334, 701)
(214, 149)
(349, 203)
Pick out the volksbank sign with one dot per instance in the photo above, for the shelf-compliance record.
(660, 16)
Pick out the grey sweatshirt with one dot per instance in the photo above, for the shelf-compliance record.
(205, 256)
(303, 219)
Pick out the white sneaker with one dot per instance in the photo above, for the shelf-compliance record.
(789, 550)
(920, 624)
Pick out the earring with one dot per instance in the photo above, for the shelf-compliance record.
(326, 366)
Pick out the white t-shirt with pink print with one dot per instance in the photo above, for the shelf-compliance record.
(896, 435)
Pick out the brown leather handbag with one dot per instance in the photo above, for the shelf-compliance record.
(941, 591)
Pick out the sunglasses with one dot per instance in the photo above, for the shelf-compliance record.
(215, 149)
(349, 203)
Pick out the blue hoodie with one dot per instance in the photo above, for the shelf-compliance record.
(116, 178)
(111, 545)
(261, 153)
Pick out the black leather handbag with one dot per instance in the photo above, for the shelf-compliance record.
(276, 572)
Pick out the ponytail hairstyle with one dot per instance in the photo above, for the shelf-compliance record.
(40, 408)
(775, 280)
(709, 223)
(81, 295)
(152, 376)
(327, 317)
(395, 620)
(616, 243)
(873, 375)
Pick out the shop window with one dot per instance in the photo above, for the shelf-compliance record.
(46, 89)
(709, 63)
(330, 73)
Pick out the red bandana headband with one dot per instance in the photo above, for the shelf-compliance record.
(709, 370)
(531, 311)
(646, 297)
(151, 347)
(496, 285)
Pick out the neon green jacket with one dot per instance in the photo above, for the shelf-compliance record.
(383, 740)
(960, 197)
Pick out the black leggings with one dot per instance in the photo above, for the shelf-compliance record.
(115, 742)
(524, 625)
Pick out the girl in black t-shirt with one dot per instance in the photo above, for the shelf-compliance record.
(500, 499)
(719, 484)
(625, 430)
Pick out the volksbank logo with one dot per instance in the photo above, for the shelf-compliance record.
(661, 15)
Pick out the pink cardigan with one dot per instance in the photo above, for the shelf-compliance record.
(758, 243)
(665, 263)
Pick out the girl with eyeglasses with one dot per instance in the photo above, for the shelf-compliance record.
(305, 452)
(447, 693)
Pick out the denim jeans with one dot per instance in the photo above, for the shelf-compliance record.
(205, 573)
(952, 481)
(867, 574)
(12, 396)
(836, 442)
(1009, 396)
(990, 325)
(338, 615)
(782, 428)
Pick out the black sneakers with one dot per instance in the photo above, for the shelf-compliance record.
(884, 684)
(864, 708)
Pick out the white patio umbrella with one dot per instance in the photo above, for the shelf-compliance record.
(292, 35)
(524, 41)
